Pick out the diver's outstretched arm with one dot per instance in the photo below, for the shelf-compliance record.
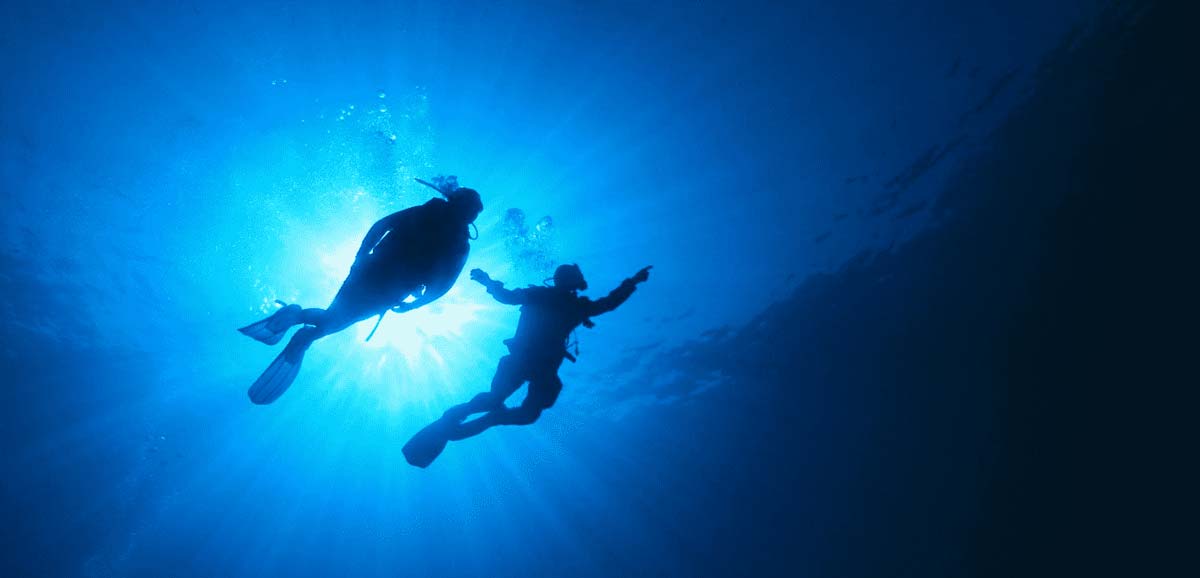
(619, 295)
(497, 290)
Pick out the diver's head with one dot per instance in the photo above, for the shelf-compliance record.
(466, 203)
(569, 277)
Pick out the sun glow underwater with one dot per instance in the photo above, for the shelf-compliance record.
(419, 361)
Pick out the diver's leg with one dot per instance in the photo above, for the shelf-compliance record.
(475, 427)
(314, 316)
(302, 340)
(523, 414)
(272, 329)
(427, 444)
(543, 392)
(343, 312)
(508, 378)
(334, 319)
(364, 294)
(484, 402)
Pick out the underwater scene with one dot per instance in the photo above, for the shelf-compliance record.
(576, 289)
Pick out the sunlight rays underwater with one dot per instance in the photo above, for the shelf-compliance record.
(300, 478)
(329, 449)
(429, 357)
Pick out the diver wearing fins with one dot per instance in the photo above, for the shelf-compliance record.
(548, 317)
(417, 252)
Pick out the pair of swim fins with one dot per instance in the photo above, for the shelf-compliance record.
(278, 376)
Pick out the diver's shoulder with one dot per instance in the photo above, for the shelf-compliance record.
(431, 206)
(428, 207)
(537, 293)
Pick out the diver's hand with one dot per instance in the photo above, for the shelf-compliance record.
(643, 275)
(480, 276)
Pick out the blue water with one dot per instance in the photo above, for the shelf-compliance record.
(169, 170)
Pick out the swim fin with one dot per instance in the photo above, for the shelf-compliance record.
(428, 444)
(278, 376)
(273, 328)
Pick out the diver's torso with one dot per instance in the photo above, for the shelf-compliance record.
(547, 320)
(425, 245)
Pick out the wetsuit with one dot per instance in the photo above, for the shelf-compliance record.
(423, 246)
(548, 316)
(419, 251)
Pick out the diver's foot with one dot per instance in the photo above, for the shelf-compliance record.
(279, 376)
(284, 319)
(272, 329)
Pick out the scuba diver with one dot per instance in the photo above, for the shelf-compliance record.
(417, 252)
(549, 315)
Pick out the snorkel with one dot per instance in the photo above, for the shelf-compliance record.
(446, 186)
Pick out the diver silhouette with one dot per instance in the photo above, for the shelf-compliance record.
(548, 317)
(417, 252)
